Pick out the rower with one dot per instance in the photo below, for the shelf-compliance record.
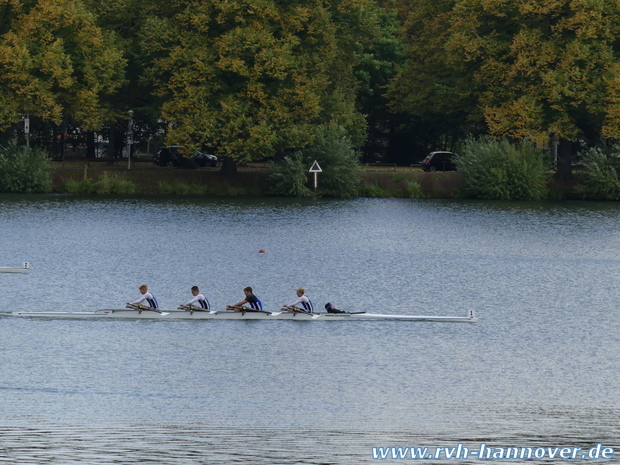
(302, 304)
(250, 299)
(199, 298)
(146, 297)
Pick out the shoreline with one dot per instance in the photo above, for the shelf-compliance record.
(252, 180)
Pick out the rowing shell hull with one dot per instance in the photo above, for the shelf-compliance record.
(183, 315)
(9, 269)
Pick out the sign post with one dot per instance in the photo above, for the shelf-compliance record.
(315, 168)
(129, 138)
(27, 130)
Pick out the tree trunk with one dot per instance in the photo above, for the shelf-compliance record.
(565, 158)
(111, 151)
(90, 144)
(229, 167)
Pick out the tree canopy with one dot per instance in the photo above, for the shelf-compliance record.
(530, 67)
(56, 62)
(254, 79)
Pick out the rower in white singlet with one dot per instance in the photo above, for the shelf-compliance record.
(302, 304)
(199, 300)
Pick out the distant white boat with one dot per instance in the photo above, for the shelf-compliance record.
(7, 269)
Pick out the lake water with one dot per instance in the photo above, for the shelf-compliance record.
(541, 369)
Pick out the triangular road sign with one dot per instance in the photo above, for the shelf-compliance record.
(315, 168)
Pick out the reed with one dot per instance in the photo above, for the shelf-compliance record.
(106, 184)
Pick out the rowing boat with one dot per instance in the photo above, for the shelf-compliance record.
(249, 315)
(8, 269)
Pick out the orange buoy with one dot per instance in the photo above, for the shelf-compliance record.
(262, 251)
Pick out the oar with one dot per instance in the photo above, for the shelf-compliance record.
(144, 307)
(193, 308)
(298, 310)
(189, 307)
(245, 309)
(149, 309)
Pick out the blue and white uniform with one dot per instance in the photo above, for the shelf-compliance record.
(305, 303)
(149, 299)
(254, 302)
(201, 300)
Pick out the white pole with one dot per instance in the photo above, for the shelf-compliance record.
(129, 139)
(27, 131)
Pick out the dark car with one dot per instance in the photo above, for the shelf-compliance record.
(176, 155)
(439, 161)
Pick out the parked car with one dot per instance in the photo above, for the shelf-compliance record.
(205, 159)
(175, 155)
(439, 161)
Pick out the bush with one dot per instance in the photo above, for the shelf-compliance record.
(340, 163)
(71, 186)
(414, 190)
(498, 169)
(388, 186)
(289, 178)
(180, 188)
(373, 190)
(113, 185)
(332, 149)
(23, 170)
(599, 177)
(104, 185)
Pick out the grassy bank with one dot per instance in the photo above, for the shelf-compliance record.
(252, 180)
(150, 179)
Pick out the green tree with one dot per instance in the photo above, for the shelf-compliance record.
(380, 59)
(534, 67)
(254, 78)
(55, 62)
(435, 91)
(552, 67)
(127, 19)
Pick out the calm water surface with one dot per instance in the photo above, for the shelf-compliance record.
(540, 369)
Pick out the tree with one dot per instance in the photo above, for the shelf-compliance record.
(535, 67)
(127, 18)
(254, 78)
(56, 63)
(433, 93)
(380, 60)
(333, 151)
